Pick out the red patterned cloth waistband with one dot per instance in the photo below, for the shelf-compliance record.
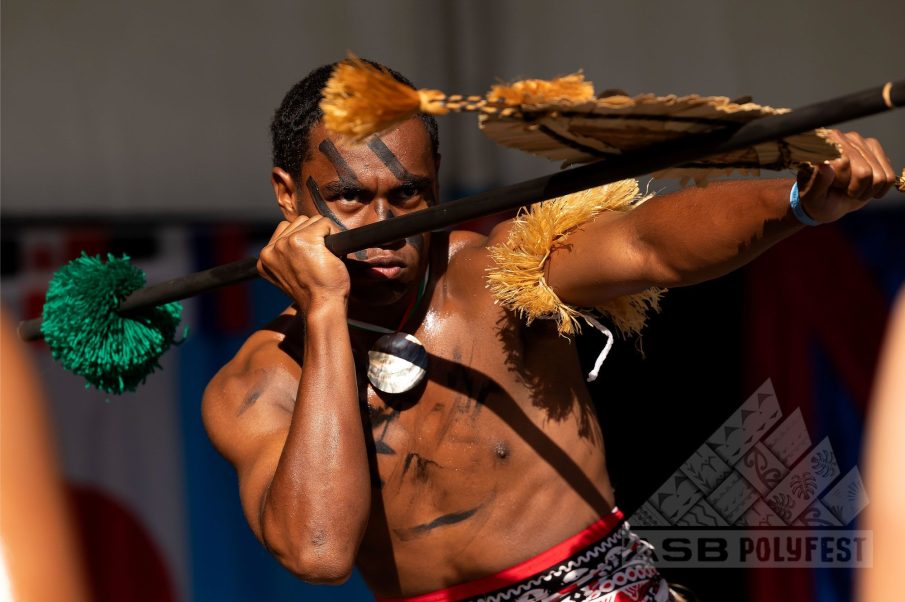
(604, 562)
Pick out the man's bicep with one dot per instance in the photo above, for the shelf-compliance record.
(599, 261)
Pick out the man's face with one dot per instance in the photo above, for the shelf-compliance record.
(355, 184)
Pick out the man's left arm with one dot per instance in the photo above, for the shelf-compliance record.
(702, 233)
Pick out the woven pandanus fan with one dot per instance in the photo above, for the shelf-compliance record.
(563, 120)
(580, 132)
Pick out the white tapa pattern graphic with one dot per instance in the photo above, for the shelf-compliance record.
(758, 469)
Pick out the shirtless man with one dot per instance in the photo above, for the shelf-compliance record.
(496, 460)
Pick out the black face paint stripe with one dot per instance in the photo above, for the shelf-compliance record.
(347, 177)
(320, 205)
(324, 210)
(416, 241)
(387, 157)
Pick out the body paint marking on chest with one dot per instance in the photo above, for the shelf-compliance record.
(441, 521)
(421, 466)
(384, 418)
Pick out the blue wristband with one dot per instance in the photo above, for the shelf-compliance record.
(798, 211)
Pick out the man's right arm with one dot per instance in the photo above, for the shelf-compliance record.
(300, 454)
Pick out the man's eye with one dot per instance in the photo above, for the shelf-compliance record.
(351, 197)
(407, 191)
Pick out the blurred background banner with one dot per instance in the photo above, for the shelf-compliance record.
(142, 128)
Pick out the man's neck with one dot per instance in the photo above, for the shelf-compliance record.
(384, 316)
(393, 316)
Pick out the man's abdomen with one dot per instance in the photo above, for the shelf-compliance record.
(471, 482)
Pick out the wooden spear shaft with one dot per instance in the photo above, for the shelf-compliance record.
(677, 152)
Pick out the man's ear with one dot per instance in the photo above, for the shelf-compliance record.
(286, 193)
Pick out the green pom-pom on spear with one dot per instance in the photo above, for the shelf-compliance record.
(114, 352)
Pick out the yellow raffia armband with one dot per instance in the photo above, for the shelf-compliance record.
(517, 281)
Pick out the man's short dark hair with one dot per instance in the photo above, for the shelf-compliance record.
(300, 111)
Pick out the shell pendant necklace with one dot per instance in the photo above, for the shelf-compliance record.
(397, 362)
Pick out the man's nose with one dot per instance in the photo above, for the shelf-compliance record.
(382, 212)
(382, 209)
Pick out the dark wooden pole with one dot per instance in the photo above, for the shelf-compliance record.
(669, 154)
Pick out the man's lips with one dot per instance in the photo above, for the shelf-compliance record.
(384, 268)
(385, 271)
